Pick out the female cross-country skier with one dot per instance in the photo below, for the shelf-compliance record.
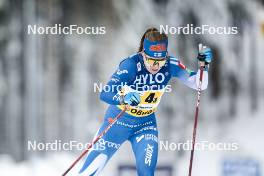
(138, 84)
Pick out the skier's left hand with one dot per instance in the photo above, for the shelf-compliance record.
(205, 56)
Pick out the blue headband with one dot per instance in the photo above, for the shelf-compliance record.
(155, 49)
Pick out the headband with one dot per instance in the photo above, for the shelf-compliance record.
(156, 49)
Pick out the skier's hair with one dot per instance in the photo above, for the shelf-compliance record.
(152, 34)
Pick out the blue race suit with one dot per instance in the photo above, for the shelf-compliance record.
(138, 125)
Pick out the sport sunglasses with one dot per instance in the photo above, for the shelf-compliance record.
(155, 61)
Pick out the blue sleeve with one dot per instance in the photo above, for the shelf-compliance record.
(125, 73)
(186, 76)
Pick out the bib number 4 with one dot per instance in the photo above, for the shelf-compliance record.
(151, 98)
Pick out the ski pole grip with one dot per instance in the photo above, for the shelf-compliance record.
(200, 47)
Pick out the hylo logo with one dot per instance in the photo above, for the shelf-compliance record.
(149, 79)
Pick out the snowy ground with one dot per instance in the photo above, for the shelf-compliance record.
(246, 130)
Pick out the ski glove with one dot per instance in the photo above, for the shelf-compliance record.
(132, 99)
(205, 55)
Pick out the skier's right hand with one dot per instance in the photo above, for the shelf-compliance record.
(205, 55)
(132, 99)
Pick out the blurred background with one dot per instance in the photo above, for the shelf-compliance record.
(47, 83)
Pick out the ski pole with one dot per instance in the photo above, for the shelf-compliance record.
(196, 115)
(94, 141)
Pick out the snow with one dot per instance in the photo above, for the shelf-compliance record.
(246, 130)
(73, 111)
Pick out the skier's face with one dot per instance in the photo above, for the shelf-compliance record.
(153, 64)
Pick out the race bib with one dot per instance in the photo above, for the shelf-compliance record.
(149, 102)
